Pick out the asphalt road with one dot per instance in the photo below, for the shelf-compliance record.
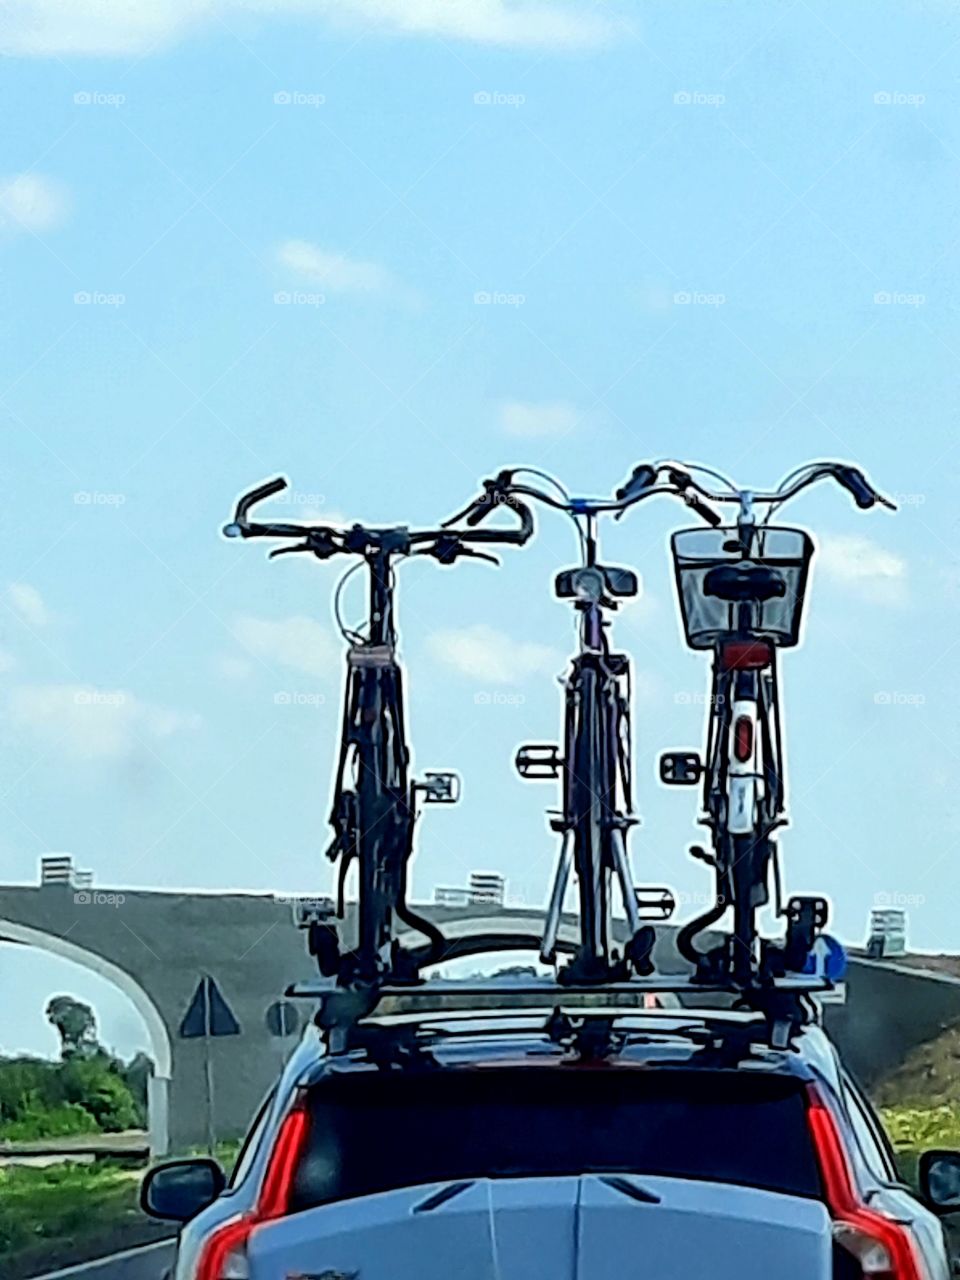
(146, 1263)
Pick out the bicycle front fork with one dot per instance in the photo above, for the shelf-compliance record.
(596, 960)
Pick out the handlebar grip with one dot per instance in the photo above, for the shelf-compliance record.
(262, 491)
(642, 477)
(856, 483)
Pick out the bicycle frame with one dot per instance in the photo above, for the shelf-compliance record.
(597, 791)
(374, 800)
(373, 819)
(595, 767)
(744, 799)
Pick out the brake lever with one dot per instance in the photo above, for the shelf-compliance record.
(494, 490)
(478, 555)
(288, 551)
(450, 548)
(322, 549)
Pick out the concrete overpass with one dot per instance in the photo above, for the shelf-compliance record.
(155, 946)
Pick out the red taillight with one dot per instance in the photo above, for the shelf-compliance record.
(225, 1255)
(883, 1249)
(275, 1193)
(743, 739)
(745, 655)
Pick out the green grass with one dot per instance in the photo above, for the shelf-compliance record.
(915, 1129)
(63, 1202)
(66, 1213)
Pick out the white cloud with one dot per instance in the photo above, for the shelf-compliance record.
(46, 28)
(28, 604)
(90, 723)
(487, 654)
(529, 421)
(336, 272)
(29, 202)
(299, 643)
(527, 24)
(7, 661)
(863, 566)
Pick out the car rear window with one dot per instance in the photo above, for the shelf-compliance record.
(376, 1131)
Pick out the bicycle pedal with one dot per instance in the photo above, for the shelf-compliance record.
(539, 761)
(680, 768)
(814, 911)
(654, 903)
(439, 788)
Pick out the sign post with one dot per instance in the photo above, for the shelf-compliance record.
(208, 1015)
(282, 1021)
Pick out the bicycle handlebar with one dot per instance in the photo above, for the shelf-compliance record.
(503, 490)
(326, 540)
(679, 481)
(496, 494)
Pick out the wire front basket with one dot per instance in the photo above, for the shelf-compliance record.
(707, 618)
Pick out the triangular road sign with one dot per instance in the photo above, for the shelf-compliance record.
(208, 1013)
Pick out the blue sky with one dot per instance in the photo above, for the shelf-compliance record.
(244, 238)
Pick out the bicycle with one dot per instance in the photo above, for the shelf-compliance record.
(375, 802)
(595, 766)
(741, 591)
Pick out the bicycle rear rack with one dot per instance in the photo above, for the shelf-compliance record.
(785, 1003)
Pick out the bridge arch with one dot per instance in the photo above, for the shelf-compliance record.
(161, 1048)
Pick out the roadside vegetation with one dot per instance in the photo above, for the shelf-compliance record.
(920, 1101)
(87, 1091)
(68, 1213)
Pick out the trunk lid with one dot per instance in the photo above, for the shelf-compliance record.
(594, 1227)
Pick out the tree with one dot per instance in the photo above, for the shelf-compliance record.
(516, 972)
(136, 1075)
(96, 1085)
(77, 1026)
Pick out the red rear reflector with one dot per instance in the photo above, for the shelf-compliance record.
(882, 1248)
(743, 739)
(745, 655)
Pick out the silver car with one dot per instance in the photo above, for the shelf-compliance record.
(533, 1145)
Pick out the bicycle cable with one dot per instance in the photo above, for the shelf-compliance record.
(349, 634)
(565, 495)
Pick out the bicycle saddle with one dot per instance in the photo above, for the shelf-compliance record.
(744, 581)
